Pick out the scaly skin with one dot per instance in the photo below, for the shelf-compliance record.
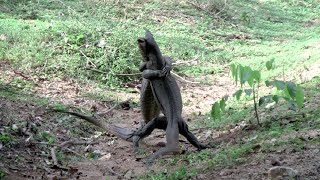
(168, 97)
(149, 106)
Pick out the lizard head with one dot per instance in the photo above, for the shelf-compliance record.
(150, 50)
(143, 48)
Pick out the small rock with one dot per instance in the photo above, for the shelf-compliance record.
(225, 173)
(128, 175)
(52, 177)
(208, 134)
(3, 37)
(14, 127)
(105, 157)
(316, 151)
(101, 43)
(282, 172)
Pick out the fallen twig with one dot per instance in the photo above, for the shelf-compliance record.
(53, 156)
(210, 13)
(96, 70)
(291, 116)
(186, 62)
(181, 78)
(133, 74)
(112, 108)
(88, 59)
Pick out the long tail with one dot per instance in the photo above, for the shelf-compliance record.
(123, 133)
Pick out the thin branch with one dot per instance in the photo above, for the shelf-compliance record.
(96, 70)
(291, 116)
(181, 78)
(255, 105)
(210, 13)
(225, 5)
(54, 157)
(88, 59)
(186, 62)
(133, 74)
(74, 152)
(109, 110)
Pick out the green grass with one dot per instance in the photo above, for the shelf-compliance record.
(59, 38)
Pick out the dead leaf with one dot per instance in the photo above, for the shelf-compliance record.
(3, 37)
(105, 157)
(101, 43)
(72, 170)
(208, 134)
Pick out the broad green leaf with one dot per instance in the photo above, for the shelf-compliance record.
(279, 84)
(269, 64)
(286, 92)
(265, 99)
(256, 75)
(275, 98)
(291, 87)
(215, 111)
(234, 71)
(236, 77)
(247, 76)
(292, 105)
(226, 97)
(248, 92)
(299, 96)
(269, 83)
(241, 73)
(238, 94)
(222, 104)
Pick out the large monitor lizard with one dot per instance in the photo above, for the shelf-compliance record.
(166, 94)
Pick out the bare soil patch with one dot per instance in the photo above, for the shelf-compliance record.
(28, 155)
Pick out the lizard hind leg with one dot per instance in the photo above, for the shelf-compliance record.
(184, 130)
(163, 151)
(156, 123)
(172, 146)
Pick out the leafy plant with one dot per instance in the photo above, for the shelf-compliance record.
(244, 75)
(5, 138)
(48, 136)
(2, 174)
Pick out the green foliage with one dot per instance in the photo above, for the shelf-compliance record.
(270, 64)
(292, 93)
(50, 138)
(215, 110)
(2, 174)
(5, 138)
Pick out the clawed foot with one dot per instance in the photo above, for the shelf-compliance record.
(202, 147)
(149, 161)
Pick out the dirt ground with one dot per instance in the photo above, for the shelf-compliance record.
(100, 155)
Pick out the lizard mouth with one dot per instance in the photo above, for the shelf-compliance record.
(141, 40)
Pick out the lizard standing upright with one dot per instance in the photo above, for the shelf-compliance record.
(166, 94)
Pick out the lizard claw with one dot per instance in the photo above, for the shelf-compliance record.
(149, 162)
(164, 72)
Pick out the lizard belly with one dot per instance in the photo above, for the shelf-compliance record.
(149, 107)
(169, 101)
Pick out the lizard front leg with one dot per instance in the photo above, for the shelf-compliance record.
(153, 74)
